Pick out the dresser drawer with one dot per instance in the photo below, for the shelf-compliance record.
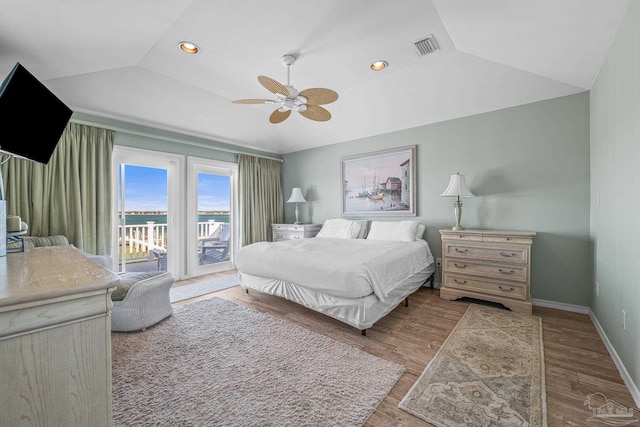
(511, 290)
(468, 237)
(508, 239)
(515, 272)
(502, 253)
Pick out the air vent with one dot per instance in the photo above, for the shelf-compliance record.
(427, 45)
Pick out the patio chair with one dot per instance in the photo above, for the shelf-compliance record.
(161, 256)
(215, 249)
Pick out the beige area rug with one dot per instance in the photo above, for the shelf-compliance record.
(489, 372)
(217, 363)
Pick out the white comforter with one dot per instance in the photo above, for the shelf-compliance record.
(349, 268)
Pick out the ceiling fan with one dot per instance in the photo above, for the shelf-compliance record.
(306, 102)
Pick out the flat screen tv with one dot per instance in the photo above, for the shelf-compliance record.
(34, 113)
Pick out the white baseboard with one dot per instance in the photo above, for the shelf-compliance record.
(562, 306)
(628, 381)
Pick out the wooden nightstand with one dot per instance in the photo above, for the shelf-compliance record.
(294, 231)
(488, 265)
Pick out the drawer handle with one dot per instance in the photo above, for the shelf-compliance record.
(279, 235)
(506, 255)
(505, 289)
(462, 282)
(296, 237)
(460, 266)
(463, 251)
(505, 271)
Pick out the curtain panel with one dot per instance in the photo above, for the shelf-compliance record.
(70, 195)
(260, 197)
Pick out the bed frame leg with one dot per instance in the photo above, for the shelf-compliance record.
(406, 302)
(363, 332)
(246, 290)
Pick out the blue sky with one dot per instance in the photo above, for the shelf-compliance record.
(146, 190)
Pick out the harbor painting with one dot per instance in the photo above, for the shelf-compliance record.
(379, 183)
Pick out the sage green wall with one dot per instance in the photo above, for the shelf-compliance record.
(615, 160)
(527, 165)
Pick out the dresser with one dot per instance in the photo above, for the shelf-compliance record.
(489, 265)
(55, 339)
(294, 231)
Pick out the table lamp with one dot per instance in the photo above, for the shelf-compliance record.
(296, 197)
(457, 188)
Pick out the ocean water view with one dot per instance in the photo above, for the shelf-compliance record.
(141, 219)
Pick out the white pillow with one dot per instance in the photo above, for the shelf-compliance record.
(420, 232)
(364, 227)
(339, 228)
(398, 231)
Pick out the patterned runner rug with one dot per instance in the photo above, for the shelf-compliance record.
(217, 363)
(489, 372)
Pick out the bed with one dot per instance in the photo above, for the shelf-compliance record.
(351, 272)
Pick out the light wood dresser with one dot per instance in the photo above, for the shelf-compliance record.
(55, 339)
(294, 231)
(488, 265)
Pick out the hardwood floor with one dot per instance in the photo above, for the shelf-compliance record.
(576, 361)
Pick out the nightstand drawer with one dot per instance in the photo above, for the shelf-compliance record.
(288, 227)
(511, 290)
(503, 253)
(294, 231)
(515, 272)
(283, 235)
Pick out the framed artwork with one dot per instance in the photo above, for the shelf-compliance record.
(382, 183)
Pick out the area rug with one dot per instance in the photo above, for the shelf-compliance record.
(181, 293)
(489, 372)
(217, 363)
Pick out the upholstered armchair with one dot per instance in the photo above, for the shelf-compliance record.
(140, 299)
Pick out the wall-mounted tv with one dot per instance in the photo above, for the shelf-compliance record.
(34, 113)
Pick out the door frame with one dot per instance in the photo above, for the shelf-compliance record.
(196, 165)
(174, 164)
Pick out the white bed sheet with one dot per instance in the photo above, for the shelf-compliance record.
(360, 313)
(342, 268)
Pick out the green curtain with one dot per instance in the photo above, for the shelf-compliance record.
(260, 197)
(70, 195)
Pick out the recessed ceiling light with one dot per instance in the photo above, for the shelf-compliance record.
(189, 47)
(379, 65)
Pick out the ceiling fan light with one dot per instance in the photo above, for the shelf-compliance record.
(302, 108)
(301, 99)
(189, 47)
(379, 65)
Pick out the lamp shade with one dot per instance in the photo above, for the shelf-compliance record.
(296, 196)
(457, 187)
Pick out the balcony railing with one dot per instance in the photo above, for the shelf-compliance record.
(141, 239)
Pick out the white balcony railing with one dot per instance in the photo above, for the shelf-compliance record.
(140, 239)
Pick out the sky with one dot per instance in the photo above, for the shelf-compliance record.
(360, 172)
(146, 190)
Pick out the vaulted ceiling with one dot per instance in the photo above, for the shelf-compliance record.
(120, 59)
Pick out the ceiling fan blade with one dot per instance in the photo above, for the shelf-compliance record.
(279, 116)
(319, 96)
(273, 86)
(316, 113)
(252, 101)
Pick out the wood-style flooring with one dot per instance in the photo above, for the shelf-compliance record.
(576, 360)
